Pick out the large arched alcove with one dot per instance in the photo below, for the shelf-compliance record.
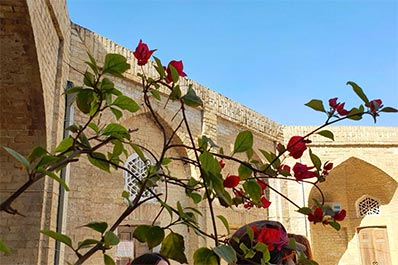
(346, 185)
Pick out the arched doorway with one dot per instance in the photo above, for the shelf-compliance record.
(348, 184)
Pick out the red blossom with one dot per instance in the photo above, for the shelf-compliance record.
(326, 168)
(374, 106)
(340, 215)
(222, 164)
(283, 167)
(296, 146)
(231, 181)
(142, 53)
(339, 107)
(248, 205)
(178, 65)
(302, 172)
(317, 216)
(265, 202)
(262, 184)
(269, 236)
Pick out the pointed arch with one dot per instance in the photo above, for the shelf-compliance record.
(352, 181)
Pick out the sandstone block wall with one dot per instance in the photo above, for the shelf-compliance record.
(364, 164)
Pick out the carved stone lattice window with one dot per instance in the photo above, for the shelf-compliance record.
(368, 206)
(138, 169)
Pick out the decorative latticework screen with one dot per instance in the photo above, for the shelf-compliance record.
(138, 169)
(368, 206)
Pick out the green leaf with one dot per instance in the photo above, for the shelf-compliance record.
(250, 233)
(54, 176)
(97, 226)
(191, 99)
(388, 109)
(270, 157)
(93, 126)
(110, 239)
(108, 86)
(227, 253)
(205, 256)
(263, 248)
(316, 104)
(140, 232)
(358, 90)
(19, 157)
(155, 236)
(126, 103)
(209, 163)
(335, 225)
(327, 134)
(315, 160)
(118, 114)
(155, 94)
(355, 113)
(224, 221)
(173, 247)
(72, 90)
(304, 210)
(243, 142)
(196, 197)
(99, 160)
(87, 243)
(92, 63)
(244, 171)
(175, 93)
(115, 64)
(174, 73)
(84, 100)
(4, 248)
(116, 130)
(84, 141)
(108, 260)
(253, 189)
(36, 153)
(159, 67)
(139, 152)
(89, 79)
(58, 236)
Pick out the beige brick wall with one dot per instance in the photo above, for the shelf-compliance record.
(40, 43)
(364, 164)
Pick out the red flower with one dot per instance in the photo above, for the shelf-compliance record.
(328, 166)
(142, 53)
(231, 181)
(285, 168)
(222, 164)
(269, 236)
(296, 146)
(262, 184)
(302, 172)
(339, 107)
(374, 106)
(265, 203)
(340, 215)
(317, 216)
(178, 66)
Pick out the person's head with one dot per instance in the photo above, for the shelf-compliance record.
(303, 240)
(150, 259)
(272, 234)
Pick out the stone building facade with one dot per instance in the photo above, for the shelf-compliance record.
(41, 50)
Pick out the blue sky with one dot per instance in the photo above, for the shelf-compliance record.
(272, 56)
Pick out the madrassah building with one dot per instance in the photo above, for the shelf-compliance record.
(42, 52)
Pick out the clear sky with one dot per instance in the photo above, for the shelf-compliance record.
(272, 56)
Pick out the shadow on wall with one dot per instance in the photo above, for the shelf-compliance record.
(345, 184)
